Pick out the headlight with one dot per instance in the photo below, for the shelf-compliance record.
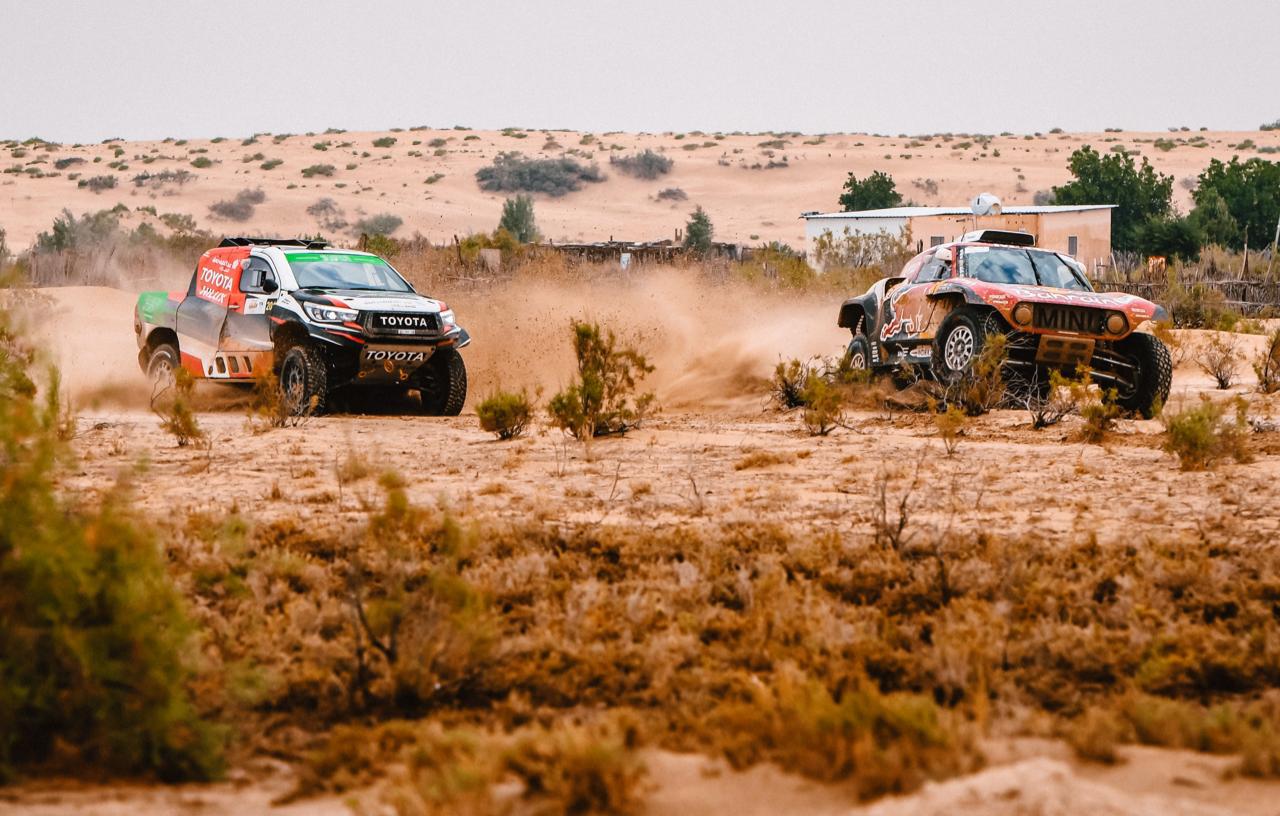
(329, 314)
(1116, 324)
(447, 319)
(1022, 314)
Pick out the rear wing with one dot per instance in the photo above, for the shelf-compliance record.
(995, 236)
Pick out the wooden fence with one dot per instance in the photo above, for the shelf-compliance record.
(1248, 297)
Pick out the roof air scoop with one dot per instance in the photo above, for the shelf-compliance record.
(985, 204)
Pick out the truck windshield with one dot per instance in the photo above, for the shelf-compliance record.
(1034, 267)
(330, 270)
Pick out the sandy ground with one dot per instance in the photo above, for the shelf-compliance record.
(747, 205)
(686, 466)
(1024, 777)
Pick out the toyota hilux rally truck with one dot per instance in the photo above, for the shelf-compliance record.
(948, 299)
(322, 319)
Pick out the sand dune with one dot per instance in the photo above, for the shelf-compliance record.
(437, 195)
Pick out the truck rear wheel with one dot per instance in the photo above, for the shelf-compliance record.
(1153, 373)
(163, 361)
(304, 381)
(442, 384)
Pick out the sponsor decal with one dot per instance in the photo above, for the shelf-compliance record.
(391, 355)
(406, 321)
(255, 306)
(1065, 296)
(333, 257)
(216, 278)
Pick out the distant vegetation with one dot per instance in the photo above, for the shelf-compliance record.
(513, 173)
(645, 165)
(380, 224)
(240, 208)
(318, 170)
(98, 183)
(876, 191)
(699, 231)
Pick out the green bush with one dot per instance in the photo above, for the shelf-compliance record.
(201, 162)
(385, 141)
(645, 165)
(505, 413)
(514, 173)
(94, 637)
(318, 170)
(600, 400)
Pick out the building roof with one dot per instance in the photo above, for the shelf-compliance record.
(916, 212)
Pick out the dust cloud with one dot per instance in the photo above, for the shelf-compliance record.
(712, 344)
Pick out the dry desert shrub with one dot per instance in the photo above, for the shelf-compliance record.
(1267, 364)
(1203, 434)
(601, 400)
(1219, 358)
(762, 459)
(506, 414)
(171, 402)
(950, 424)
(96, 639)
(1096, 735)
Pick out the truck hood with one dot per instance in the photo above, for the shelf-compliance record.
(366, 301)
(1005, 296)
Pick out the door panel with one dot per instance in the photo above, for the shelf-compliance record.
(203, 313)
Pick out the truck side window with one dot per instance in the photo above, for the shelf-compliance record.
(254, 274)
(936, 268)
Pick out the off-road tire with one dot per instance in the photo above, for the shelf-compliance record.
(859, 353)
(442, 384)
(304, 381)
(163, 360)
(1154, 376)
(958, 343)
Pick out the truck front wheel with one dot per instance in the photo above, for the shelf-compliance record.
(304, 381)
(1153, 373)
(442, 384)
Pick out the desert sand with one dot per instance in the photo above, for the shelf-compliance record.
(437, 195)
(685, 466)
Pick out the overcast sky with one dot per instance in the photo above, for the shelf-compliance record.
(85, 71)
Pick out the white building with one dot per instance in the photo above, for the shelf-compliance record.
(1082, 231)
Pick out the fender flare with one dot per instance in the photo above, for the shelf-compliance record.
(950, 289)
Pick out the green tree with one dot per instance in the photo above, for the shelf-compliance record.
(699, 231)
(1214, 219)
(517, 219)
(877, 191)
(1251, 191)
(1171, 237)
(1139, 193)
